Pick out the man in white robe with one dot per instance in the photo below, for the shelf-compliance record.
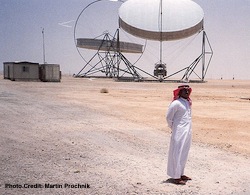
(179, 120)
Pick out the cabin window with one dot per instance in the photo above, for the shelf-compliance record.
(25, 69)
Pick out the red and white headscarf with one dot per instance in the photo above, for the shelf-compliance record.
(176, 92)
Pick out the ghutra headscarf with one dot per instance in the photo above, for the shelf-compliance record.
(176, 92)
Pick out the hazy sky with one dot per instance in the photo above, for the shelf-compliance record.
(227, 24)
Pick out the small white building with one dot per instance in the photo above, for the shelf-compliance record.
(21, 71)
(50, 72)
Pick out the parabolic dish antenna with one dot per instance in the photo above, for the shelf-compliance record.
(166, 20)
(163, 20)
(107, 49)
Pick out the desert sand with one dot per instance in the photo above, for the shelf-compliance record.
(69, 138)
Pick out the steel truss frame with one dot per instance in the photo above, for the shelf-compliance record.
(110, 62)
(205, 58)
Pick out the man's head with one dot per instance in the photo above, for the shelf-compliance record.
(185, 91)
(182, 91)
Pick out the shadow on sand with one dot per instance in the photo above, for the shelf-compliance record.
(170, 180)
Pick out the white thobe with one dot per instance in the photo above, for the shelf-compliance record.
(179, 120)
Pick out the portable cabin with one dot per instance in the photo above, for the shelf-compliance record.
(21, 71)
(50, 73)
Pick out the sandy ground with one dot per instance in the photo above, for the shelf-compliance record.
(69, 133)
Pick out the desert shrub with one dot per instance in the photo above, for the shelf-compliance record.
(104, 90)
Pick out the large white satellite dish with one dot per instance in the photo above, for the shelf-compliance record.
(165, 20)
(161, 19)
